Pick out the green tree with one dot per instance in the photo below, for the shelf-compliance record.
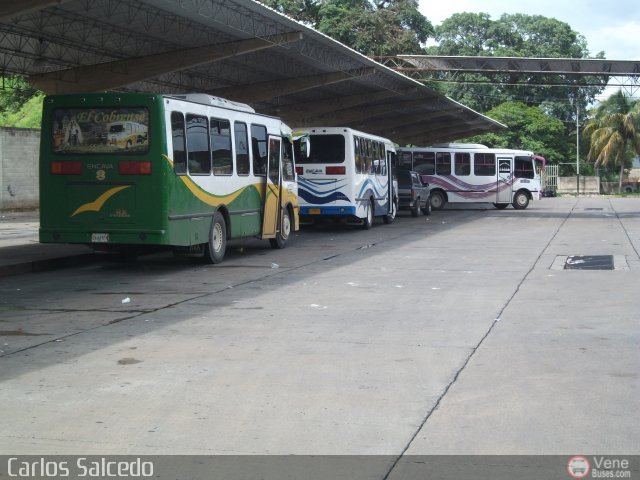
(382, 27)
(614, 133)
(305, 11)
(518, 35)
(530, 128)
(29, 115)
(15, 91)
(20, 104)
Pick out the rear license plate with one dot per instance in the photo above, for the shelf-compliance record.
(99, 238)
(314, 211)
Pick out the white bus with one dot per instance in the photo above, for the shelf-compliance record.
(345, 175)
(476, 173)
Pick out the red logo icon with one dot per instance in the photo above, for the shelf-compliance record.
(578, 467)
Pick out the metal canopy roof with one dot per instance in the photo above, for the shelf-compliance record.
(237, 49)
(560, 66)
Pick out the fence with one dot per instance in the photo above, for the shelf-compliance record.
(550, 177)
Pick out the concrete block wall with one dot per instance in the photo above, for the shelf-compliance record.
(19, 151)
(588, 185)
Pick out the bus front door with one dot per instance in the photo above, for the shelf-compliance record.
(504, 194)
(272, 191)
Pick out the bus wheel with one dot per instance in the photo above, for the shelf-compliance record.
(521, 201)
(217, 245)
(437, 200)
(391, 216)
(285, 231)
(367, 223)
(415, 210)
(501, 206)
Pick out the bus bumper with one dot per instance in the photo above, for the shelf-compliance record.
(328, 210)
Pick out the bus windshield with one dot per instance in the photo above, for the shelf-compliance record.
(100, 130)
(320, 149)
(523, 167)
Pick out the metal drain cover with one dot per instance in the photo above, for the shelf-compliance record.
(589, 262)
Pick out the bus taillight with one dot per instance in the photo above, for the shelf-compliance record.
(127, 167)
(66, 168)
(336, 170)
(299, 170)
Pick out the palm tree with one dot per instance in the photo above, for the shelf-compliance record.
(613, 133)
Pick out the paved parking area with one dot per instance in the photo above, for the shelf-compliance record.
(447, 335)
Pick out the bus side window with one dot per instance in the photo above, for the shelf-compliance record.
(274, 160)
(363, 156)
(443, 163)
(424, 163)
(287, 161)
(221, 157)
(178, 140)
(377, 159)
(259, 149)
(383, 160)
(242, 148)
(198, 156)
(356, 153)
(462, 164)
(368, 157)
(484, 164)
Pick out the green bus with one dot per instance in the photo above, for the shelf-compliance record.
(125, 172)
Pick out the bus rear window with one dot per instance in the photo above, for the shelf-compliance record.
(321, 149)
(100, 130)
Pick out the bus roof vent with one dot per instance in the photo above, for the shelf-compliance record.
(216, 101)
(459, 145)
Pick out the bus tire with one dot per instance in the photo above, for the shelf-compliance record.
(391, 216)
(217, 245)
(501, 206)
(521, 200)
(282, 236)
(438, 200)
(367, 223)
(415, 210)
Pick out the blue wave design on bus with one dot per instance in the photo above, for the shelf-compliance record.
(315, 182)
(315, 200)
(378, 190)
(315, 186)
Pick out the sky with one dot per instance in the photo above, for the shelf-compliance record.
(612, 27)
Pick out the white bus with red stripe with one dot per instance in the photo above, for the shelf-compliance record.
(462, 173)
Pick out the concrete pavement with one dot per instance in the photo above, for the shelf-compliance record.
(451, 336)
(20, 251)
